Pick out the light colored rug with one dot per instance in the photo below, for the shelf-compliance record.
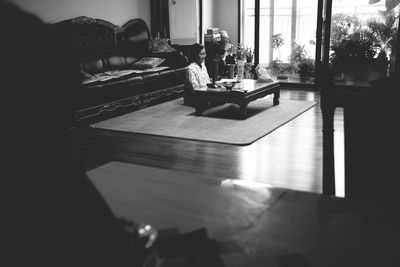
(220, 124)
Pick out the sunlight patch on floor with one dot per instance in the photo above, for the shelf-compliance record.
(339, 155)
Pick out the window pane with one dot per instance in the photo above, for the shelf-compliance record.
(295, 21)
(248, 22)
(282, 25)
(265, 31)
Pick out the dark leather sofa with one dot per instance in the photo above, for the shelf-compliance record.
(100, 47)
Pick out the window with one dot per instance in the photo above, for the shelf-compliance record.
(287, 32)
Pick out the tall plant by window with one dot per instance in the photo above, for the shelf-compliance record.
(384, 32)
(277, 42)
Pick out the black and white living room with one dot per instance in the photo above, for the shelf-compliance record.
(226, 133)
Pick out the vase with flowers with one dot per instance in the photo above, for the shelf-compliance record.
(249, 65)
(240, 60)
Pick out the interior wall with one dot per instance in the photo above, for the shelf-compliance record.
(221, 14)
(226, 17)
(208, 15)
(183, 22)
(116, 11)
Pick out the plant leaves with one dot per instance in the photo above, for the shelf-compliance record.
(371, 2)
(390, 4)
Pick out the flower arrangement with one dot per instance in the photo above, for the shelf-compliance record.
(242, 52)
(249, 53)
(238, 52)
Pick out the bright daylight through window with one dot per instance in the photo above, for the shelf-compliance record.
(288, 28)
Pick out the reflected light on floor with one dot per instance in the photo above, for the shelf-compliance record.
(283, 156)
(244, 184)
(339, 155)
(248, 164)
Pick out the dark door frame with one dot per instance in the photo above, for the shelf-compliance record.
(200, 21)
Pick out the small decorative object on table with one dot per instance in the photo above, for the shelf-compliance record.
(262, 74)
(249, 65)
(229, 83)
(240, 69)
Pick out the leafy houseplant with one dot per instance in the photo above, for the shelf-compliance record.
(240, 58)
(239, 52)
(303, 64)
(277, 42)
(390, 4)
(277, 67)
(248, 53)
(298, 54)
(306, 67)
(382, 32)
(352, 56)
(353, 48)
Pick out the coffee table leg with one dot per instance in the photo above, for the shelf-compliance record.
(199, 110)
(200, 107)
(276, 97)
(243, 111)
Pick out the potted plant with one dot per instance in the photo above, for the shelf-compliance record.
(277, 67)
(240, 56)
(306, 68)
(352, 47)
(249, 70)
(352, 57)
(390, 4)
(301, 62)
(299, 53)
(384, 33)
(248, 53)
(277, 42)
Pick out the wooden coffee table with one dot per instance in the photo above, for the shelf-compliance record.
(242, 94)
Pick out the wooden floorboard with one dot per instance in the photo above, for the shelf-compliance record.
(289, 157)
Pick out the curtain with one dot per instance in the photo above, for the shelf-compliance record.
(159, 18)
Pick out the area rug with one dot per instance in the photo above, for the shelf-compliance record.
(170, 199)
(220, 124)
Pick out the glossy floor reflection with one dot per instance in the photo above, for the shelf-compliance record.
(289, 157)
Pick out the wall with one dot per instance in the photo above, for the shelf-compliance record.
(116, 11)
(208, 15)
(226, 17)
(221, 14)
(183, 21)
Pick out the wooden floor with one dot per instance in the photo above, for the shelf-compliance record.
(290, 157)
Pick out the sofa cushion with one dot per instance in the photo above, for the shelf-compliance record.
(115, 62)
(161, 45)
(85, 75)
(92, 66)
(130, 60)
